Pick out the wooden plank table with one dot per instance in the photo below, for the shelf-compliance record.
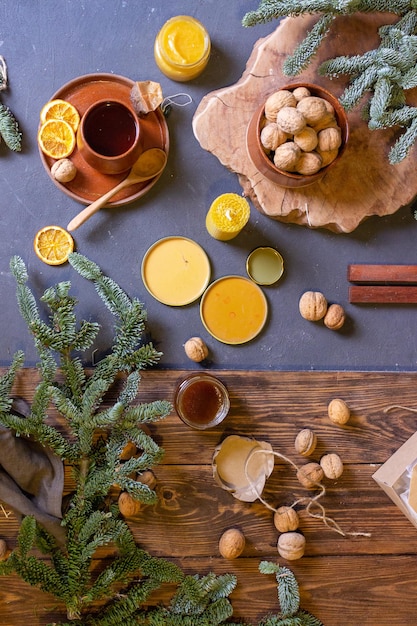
(369, 580)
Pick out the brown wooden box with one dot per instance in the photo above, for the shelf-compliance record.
(394, 476)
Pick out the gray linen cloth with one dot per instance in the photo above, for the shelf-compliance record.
(31, 478)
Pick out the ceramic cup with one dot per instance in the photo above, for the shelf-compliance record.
(108, 137)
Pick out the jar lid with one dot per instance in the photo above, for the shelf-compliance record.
(233, 309)
(175, 270)
(265, 266)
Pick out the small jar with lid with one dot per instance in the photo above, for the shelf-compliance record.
(182, 48)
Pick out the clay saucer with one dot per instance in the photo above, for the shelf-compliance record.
(89, 184)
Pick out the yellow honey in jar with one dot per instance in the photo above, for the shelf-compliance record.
(182, 48)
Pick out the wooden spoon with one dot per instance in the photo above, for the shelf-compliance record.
(149, 164)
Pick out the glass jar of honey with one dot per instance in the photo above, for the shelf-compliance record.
(201, 401)
(182, 48)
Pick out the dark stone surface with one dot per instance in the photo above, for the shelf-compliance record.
(46, 44)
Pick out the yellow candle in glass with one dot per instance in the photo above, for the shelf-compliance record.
(228, 214)
(182, 48)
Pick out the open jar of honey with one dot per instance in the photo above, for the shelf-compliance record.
(201, 401)
(182, 48)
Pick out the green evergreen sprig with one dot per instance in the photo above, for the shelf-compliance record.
(91, 442)
(289, 599)
(386, 72)
(9, 127)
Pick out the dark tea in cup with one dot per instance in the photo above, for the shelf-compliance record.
(108, 137)
(110, 129)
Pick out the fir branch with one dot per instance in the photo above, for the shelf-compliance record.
(289, 599)
(9, 129)
(288, 592)
(125, 606)
(294, 64)
(358, 88)
(269, 10)
(7, 382)
(147, 412)
(404, 144)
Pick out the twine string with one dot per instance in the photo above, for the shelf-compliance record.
(180, 99)
(311, 502)
(399, 406)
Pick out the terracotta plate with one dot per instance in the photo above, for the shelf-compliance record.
(88, 185)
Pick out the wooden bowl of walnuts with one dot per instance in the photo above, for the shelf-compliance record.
(297, 135)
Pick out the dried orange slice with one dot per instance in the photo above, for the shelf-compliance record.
(60, 110)
(53, 244)
(56, 139)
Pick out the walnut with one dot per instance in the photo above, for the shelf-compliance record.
(327, 121)
(329, 107)
(128, 507)
(306, 139)
(291, 546)
(272, 136)
(308, 163)
(286, 519)
(128, 451)
(301, 92)
(291, 120)
(196, 349)
(329, 139)
(338, 411)
(327, 157)
(312, 305)
(231, 544)
(332, 465)
(305, 442)
(286, 156)
(63, 170)
(335, 317)
(276, 101)
(312, 109)
(147, 478)
(310, 475)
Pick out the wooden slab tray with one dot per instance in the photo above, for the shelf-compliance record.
(363, 184)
